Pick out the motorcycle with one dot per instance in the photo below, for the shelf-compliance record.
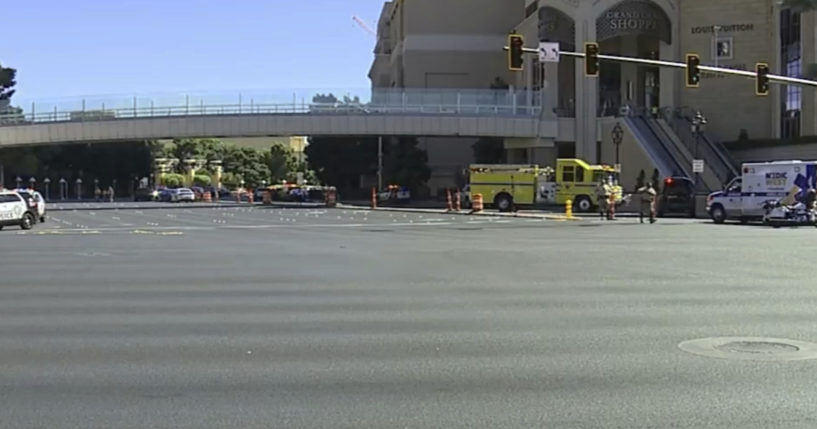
(777, 214)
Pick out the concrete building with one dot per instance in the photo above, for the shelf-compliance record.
(444, 44)
(457, 43)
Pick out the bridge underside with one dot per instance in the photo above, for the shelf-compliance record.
(276, 125)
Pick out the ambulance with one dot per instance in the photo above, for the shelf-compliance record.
(744, 197)
(508, 185)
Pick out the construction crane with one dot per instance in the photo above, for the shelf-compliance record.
(364, 26)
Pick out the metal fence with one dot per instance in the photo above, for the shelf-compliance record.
(374, 102)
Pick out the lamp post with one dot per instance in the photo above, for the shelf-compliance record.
(698, 126)
(47, 182)
(31, 182)
(19, 180)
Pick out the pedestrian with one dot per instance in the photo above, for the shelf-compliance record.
(647, 202)
(110, 193)
(97, 194)
(601, 198)
(611, 198)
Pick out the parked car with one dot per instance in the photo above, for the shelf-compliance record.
(184, 195)
(677, 197)
(146, 194)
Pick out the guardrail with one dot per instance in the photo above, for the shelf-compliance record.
(385, 101)
(263, 109)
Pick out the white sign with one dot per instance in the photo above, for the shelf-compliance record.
(618, 168)
(548, 52)
(698, 166)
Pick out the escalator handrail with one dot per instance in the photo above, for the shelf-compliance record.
(687, 113)
(665, 160)
(674, 155)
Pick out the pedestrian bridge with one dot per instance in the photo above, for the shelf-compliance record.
(445, 113)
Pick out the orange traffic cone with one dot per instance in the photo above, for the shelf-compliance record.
(374, 198)
(448, 199)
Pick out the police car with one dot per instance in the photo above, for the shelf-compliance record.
(15, 211)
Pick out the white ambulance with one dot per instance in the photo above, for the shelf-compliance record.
(743, 198)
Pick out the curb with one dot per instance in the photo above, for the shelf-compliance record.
(114, 207)
(465, 213)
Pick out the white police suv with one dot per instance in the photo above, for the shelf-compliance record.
(15, 211)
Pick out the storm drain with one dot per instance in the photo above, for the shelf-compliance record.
(751, 348)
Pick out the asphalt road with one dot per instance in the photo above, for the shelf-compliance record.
(238, 317)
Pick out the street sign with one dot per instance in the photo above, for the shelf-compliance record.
(548, 52)
(698, 166)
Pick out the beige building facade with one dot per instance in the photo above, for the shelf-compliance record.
(457, 44)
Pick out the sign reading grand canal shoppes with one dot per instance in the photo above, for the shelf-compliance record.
(634, 17)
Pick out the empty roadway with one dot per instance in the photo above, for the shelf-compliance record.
(238, 317)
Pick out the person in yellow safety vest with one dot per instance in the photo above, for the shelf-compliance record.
(647, 202)
(602, 196)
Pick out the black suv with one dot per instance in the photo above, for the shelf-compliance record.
(677, 197)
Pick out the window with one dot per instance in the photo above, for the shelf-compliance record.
(9, 198)
(792, 96)
(579, 174)
(568, 174)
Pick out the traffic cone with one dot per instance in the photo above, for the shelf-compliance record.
(448, 199)
(458, 202)
(374, 198)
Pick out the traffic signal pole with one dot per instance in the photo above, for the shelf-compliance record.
(679, 65)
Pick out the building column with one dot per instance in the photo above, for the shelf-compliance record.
(669, 77)
(587, 97)
(629, 72)
(551, 90)
(808, 43)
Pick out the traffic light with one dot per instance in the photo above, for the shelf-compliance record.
(693, 72)
(762, 79)
(515, 44)
(591, 59)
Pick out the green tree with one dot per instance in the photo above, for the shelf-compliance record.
(247, 164)
(201, 180)
(281, 161)
(173, 180)
(489, 150)
(230, 180)
(406, 164)
(7, 82)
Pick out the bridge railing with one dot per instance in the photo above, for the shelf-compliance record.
(377, 102)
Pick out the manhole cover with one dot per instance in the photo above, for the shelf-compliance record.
(751, 348)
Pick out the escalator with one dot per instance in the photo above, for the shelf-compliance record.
(673, 153)
(661, 152)
(716, 157)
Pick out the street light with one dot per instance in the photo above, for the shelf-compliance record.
(19, 180)
(31, 182)
(698, 126)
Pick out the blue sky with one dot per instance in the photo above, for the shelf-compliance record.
(85, 47)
